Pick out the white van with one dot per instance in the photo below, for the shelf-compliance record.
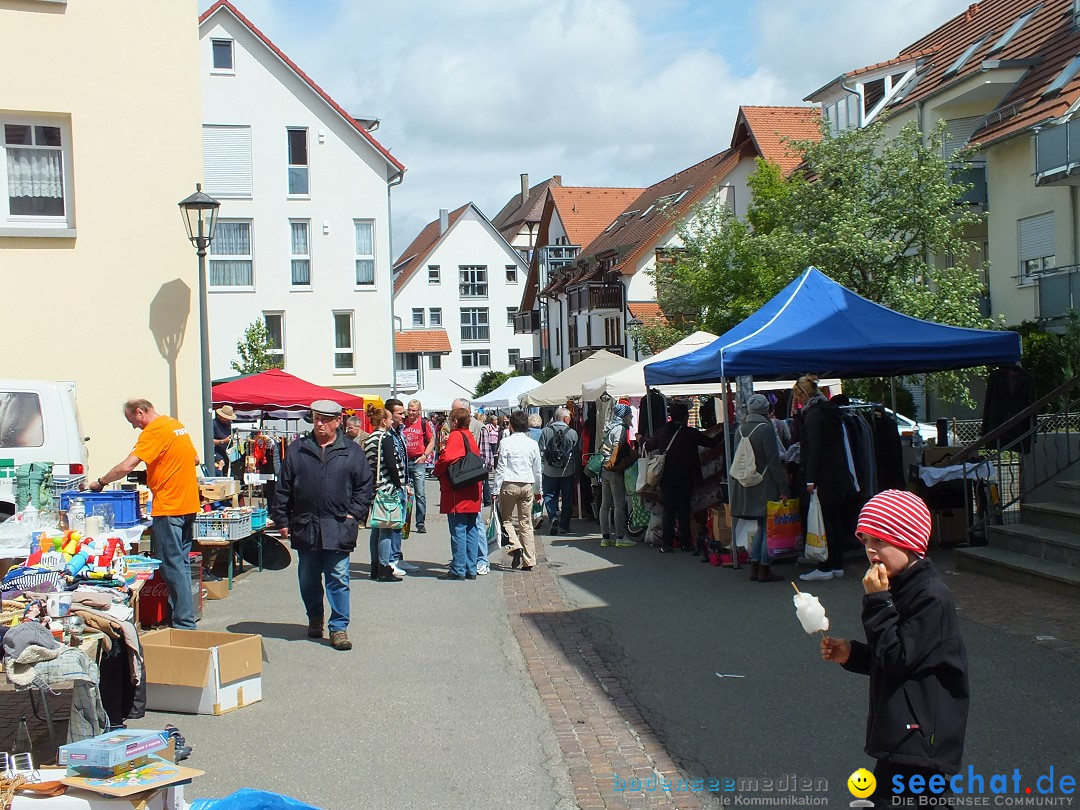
(39, 421)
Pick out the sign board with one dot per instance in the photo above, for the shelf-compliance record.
(407, 379)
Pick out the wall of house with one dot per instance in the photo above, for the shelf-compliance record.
(470, 241)
(113, 304)
(348, 180)
(556, 352)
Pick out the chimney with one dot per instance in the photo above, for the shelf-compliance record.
(444, 220)
(524, 188)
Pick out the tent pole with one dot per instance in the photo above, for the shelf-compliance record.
(892, 386)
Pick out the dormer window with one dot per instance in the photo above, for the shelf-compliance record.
(958, 65)
(1013, 30)
(1064, 77)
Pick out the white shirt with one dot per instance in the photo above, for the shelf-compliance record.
(519, 461)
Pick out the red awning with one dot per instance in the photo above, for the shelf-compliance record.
(275, 390)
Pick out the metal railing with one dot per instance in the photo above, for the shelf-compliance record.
(593, 296)
(527, 323)
(1059, 291)
(1057, 152)
(529, 365)
(580, 353)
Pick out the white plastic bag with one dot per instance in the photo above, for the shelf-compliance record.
(745, 531)
(817, 549)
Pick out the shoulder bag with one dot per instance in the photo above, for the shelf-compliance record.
(654, 469)
(467, 470)
(387, 510)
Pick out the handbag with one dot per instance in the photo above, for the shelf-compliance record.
(467, 470)
(594, 465)
(654, 470)
(622, 457)
(817, 549)
(783, 528)
(387, 510)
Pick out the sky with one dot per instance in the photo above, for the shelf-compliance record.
(473, 93)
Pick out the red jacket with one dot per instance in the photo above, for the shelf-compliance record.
(457, 501)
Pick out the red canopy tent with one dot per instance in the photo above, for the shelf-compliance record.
(275, 390)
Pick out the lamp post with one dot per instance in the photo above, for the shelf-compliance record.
(632, 323)
(200, 219)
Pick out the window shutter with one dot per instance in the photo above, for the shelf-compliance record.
(959, 133)
(227, 161)
(1037, 237)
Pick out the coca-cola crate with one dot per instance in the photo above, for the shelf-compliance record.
(154, 607)
(215, 526)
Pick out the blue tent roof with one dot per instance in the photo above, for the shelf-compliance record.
(816, 326)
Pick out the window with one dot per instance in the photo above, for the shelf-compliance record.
(435, 316)
(511, 274)
(1064, 77)
(226, 161)
(510, 313)
(223, 54)
(298, 161)
(474, 324)
(26, 426)
(275, 327)
(1013, 29)
(299, 231)
(512, 356)
(611, 332)
(343, 341)
(418, 316)
(956, 66)
(1037, 251)
(473, 281)
(476, 358)
(231, 261)
(435, 362)
(34, 168)
(433, 274)
(365, 252)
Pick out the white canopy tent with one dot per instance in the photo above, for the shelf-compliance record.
(432, 399)
(508, 394)
(630, 382)
(567, 384)
(704, 389)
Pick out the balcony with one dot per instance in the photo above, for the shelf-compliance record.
(595, 296)
(1059, 291)
(975, 175)
(527, 323)
(1057, 155)
(582, 352)
(529, 365)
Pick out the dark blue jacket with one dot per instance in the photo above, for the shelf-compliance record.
(317, 488)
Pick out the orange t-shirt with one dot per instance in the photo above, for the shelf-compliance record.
(165, 447)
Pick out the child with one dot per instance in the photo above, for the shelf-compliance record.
(913, 653)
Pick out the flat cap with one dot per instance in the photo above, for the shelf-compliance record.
(326, 407)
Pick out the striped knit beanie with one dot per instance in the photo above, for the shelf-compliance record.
(897, 517)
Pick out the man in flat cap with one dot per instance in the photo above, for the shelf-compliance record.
(323, 493)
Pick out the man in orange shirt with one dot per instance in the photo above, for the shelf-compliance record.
(166, 448)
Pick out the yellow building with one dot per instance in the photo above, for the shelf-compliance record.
(101, 140)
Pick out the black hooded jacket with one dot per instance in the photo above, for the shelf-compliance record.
(917, 665)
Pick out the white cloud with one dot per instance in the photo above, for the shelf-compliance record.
(473, 93)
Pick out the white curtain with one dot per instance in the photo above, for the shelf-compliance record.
(35, 173)
(231, 239)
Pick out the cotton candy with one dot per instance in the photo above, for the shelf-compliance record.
(810, 613)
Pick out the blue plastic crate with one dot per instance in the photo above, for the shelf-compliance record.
(258, 519)
(125, 504)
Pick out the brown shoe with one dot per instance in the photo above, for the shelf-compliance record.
(765, 575)
(755, 570)
(315, 628)
(339, 640)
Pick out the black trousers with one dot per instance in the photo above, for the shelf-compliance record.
(675, 496)
(885, 797)
(839, 530)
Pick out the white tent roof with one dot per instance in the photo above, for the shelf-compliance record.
(630, 382)
(566, 385)
(507, 394)
(705, 389)
(432, 399)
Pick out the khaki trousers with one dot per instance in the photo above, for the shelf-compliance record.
(518, 498)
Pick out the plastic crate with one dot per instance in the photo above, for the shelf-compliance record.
(258, 519)
(65, 483)
(215, 526)
(125, 504)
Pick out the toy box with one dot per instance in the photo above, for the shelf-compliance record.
(111, 749)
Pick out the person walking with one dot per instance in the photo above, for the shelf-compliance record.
(165, 447)
(517, 485)
(460, 505)
(536, 425)
(612, 480)
(397, 432)
(487, 455)
(390, 476)
(420, 446)
(324, 492)
(559, 451)
(751, 502)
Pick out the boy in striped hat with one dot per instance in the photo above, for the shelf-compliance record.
(913, 653)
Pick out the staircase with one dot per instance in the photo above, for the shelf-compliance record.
(1041, 551)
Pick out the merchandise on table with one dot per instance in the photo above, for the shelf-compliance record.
(112, 749)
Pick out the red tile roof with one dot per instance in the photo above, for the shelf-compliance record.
(422, 341)
(585, 212)
(509, 220)
(773, 128)
(647, 312)
(416, 254)
(225, 4)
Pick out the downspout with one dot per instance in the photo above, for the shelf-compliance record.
(394, 181)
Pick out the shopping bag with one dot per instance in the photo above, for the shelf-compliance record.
(537, 513)
(641, 478)
(817, 550)
(387, 510)
(745, 531)
(783, 528)
(494, 525)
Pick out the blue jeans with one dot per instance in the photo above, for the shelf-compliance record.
(759, 551)
(312, 567)
(556, 489)
(465, 542)
(382, 545)
(418, 476)
(173, 536)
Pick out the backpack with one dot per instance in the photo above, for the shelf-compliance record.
(559, 449)
(744, 462)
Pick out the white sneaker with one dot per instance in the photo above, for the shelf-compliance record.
(816, 576)
(397, 569)
(482, 568)
(406, 566)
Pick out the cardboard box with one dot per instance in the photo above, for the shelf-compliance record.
(216, 589)
(197, 672)
(949, 526)
(112, 749)
(721, 524)
(219, 490)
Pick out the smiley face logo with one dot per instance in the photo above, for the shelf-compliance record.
(861, 783)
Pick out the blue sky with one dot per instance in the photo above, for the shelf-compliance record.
(472, 93)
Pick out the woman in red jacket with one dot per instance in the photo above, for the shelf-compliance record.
(461, 506)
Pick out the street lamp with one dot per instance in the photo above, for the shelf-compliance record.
(200, 218)
(632, 322)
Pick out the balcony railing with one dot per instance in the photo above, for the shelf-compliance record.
(976, 176)
(582, 352)
(1059, 291)
(1057, 155)
(529, 365)
(593, 296)
(527, 323)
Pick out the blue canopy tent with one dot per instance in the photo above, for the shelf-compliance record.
(816, 326)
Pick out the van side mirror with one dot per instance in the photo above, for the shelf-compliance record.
(86, 438)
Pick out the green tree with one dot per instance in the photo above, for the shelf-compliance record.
(545, 375)
(254, 350)
(490, 380)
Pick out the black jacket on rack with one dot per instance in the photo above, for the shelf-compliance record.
(1009, 390)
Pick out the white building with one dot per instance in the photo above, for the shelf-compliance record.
(456, 289)
(303, 240)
